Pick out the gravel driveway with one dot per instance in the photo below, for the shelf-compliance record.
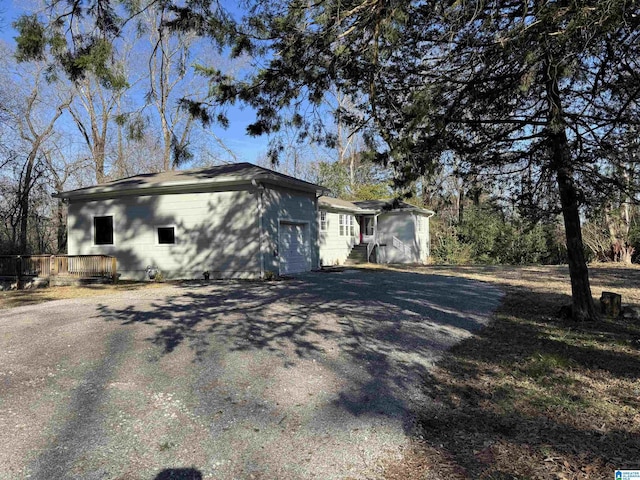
(314, 377)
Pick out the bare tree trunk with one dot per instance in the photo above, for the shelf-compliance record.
(29, 132)
(583, 307)
(25, 192)
(99, 154)
(619, 225)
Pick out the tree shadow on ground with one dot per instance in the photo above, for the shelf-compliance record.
(392, 324)
(533, 396)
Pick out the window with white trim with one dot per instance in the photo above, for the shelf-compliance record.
(103, 230)
(166, 235)
(323, 221)
(347, 225)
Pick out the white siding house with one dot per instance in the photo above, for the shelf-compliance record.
(233, 221)
(385, 231)
(339, 230)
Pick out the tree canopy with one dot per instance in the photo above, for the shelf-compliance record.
(541, 96)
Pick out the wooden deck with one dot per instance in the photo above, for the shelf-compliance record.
(57, 268)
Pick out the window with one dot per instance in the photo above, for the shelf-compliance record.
(323, 221)
(103, 230)
(347, 225)
(166, 235)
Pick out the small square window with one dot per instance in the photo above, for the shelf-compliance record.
(103, 230)
(166, 235)
(323, 221)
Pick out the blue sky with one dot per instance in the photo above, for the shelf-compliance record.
(245, 147)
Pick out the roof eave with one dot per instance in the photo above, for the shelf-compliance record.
(187, 186)
(292, 183)
(362, 211)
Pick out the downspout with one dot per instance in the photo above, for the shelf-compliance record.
(260, 190)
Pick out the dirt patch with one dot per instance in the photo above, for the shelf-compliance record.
(18, 298)
(533, 396)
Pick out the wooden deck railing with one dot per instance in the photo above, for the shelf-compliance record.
(80, 266)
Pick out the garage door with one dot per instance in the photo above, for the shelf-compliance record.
(294, 248)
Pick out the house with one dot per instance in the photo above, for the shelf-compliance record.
(384, 231)
(232, 221)
(236, 221)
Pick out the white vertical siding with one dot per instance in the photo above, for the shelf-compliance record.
(423, 237)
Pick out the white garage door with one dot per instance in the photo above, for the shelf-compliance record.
(294, 248)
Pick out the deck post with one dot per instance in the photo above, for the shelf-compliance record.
(18, 272)
(114, 265)
(53, 266)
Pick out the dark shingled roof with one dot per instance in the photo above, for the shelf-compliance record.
(370, 206)
(219, 174)
(337, 203)
(388, 205)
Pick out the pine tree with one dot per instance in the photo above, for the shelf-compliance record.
(543, 91)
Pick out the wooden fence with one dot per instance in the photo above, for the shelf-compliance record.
(45, 266)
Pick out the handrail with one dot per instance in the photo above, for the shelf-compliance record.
(372, 245)
(400, 245)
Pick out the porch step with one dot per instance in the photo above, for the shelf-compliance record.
(357, 255)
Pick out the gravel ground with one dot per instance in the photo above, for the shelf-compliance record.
(312, 377)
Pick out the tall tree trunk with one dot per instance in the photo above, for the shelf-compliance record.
(583, 307)
(98, 159)
(25, 192)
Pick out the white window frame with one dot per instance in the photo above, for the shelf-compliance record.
(157, 239)
(347, 225)
(323, 221)
(93, 231)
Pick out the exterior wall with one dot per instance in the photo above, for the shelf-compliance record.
(398, 235)
(216, 231)
(334, 248)
(285, 205)
(424, 243)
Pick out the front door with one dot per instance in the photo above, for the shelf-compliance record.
(367, 229)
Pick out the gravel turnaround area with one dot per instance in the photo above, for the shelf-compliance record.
(311, 377)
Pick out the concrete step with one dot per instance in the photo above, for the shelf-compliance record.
(351, 261)
(357, 255)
